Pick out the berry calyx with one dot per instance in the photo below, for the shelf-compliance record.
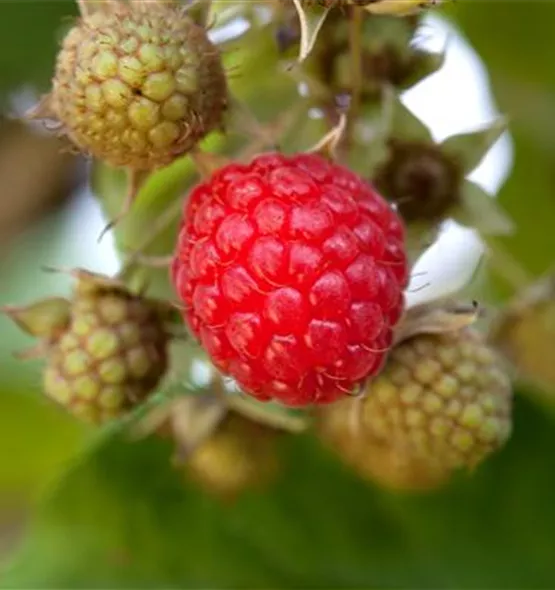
(291, 270)
(441, 403)
(137, 84)
(421, 180)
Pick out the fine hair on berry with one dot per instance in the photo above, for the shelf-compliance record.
(291, 270)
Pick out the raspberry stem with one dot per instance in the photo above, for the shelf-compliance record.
(207, 163)
(160, 224)
(355, 45)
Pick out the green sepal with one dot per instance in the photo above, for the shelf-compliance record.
(425, 63)
(401, 123)
(272, 414)
(468, 149)
(42, 319)
(481, 211)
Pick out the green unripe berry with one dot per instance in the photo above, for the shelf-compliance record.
(442, 402)
(138, 84)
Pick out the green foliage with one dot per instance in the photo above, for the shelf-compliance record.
(29, 41)
(122, 518)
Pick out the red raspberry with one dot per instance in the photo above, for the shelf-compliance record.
(292, 271)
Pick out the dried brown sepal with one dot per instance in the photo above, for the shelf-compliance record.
(327, 146)
(311, 19)
(42, 110)
(436, 317)
(91, 283)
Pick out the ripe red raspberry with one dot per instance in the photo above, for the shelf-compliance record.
(292, 271)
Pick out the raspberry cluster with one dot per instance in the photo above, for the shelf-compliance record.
(291, 270)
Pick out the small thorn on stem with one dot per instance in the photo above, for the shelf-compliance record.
(107, 228)
(136, 179)
(56, 269)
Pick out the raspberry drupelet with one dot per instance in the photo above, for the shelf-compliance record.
(291, 270)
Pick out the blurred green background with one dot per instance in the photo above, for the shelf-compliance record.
(118, 517)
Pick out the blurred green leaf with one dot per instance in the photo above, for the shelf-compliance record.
(29, 36)
(122, 518)
(520, 65)
(37, 440)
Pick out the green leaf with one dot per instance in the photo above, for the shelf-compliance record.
(123, 519)
(481, 211)
(38, 440)
(469, 149)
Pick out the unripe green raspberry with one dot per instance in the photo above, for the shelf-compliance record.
(137, 84)
(441, 403)
(106, 348)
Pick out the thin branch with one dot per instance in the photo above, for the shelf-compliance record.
(355, 44)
